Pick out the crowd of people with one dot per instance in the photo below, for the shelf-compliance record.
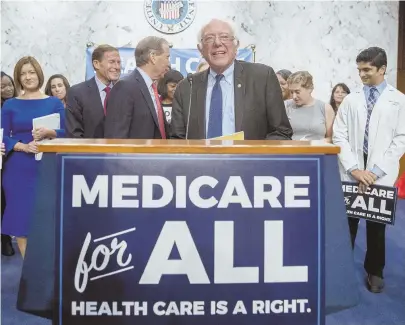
(223, 96)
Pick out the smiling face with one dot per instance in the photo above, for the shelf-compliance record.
(370, 75)
(7, 88)
(339, 94)
(108, 69)
(218, 45)
(29, 78)
(171, 88)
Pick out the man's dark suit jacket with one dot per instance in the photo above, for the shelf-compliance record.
(84, 111)
(259, 106)
(130, 111)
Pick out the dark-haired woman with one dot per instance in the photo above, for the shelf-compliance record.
(8, 91)
(57, 86)
(339, 92)
(166, 88)
(282, 77)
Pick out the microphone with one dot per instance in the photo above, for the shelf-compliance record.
(190, 77)
(190, 80)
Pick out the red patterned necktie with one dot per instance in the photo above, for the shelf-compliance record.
(159, 112)
(107, 94)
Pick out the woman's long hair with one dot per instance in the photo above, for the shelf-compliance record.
(170, 76)
(332, 99)
(48, 87)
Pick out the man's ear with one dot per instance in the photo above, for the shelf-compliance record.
(199, 48)
(96, 64)
(383, 69)
(152, 57)
(237, 43)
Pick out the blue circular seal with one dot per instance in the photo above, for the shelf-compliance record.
(170, 16)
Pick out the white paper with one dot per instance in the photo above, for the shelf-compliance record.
(168, 113)
(51, 122)
(1, 141)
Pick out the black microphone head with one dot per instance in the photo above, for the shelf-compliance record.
(190, 77)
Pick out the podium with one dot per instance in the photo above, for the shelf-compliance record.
(188, 232)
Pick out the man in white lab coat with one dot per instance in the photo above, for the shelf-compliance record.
(370, 129)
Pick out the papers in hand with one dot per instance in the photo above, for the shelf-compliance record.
(51, 122)
(234, 136)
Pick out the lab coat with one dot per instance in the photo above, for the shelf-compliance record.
(386, 134)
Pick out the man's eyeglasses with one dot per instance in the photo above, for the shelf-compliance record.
(225, 39)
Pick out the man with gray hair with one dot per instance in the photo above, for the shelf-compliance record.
(230, 96)
(134, 110)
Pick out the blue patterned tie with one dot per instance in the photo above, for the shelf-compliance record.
(372, 99)
(215, 118)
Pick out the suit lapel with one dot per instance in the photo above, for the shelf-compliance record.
(378, 109)
(361, 108)
(239, 90)
(201, 94)
(146, 95)
(95, 93)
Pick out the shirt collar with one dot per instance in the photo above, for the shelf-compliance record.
(101, 86)
(380, 88)
(228, 73)
(148, 80)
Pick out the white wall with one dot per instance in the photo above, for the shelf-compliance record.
(321, 37)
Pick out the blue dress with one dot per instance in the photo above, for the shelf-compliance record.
(20, 169)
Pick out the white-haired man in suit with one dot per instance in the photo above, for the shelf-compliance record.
(230, 96)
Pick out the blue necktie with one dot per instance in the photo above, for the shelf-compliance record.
(372, 99)
(215, 118)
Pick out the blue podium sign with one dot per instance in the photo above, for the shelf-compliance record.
(183, 60)
(189, 240)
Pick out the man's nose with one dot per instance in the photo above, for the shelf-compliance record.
(217, 41)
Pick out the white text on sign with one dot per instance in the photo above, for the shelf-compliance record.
(132, 191)
(177, 234)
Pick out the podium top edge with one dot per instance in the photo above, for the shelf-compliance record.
(187, 146)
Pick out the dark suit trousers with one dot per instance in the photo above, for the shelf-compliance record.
(375, 257)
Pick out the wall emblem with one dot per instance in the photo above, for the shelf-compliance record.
(170, 16)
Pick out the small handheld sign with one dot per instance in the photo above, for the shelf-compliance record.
(377, 204)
